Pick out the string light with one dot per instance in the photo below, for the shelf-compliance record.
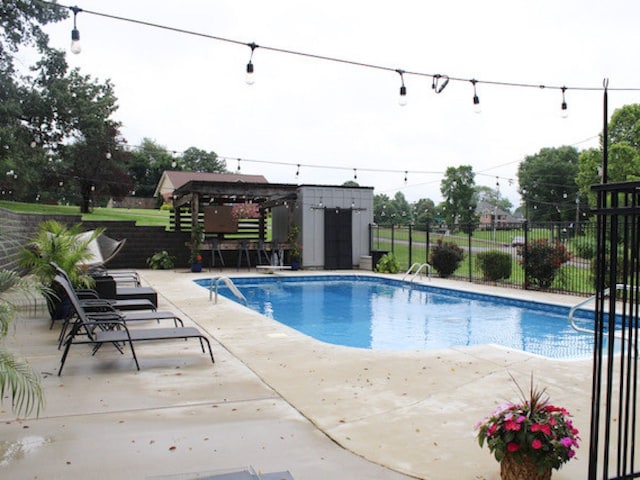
(250, 78)
(355, 173)
(476, 100)
(437, 86)
(297, 171)
(402, 101)
(75, 33)
(238, 169)
(564, 113)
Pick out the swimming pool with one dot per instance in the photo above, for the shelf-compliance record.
(387, 314)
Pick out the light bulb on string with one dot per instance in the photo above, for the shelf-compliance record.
(476, 99)
(355, 174)
(238, 169)
(75, 33)
(250, 78)
(402, 100)
(406, 173)
(297, 171)
(564, 112)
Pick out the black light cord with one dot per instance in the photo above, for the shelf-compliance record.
(333, 59)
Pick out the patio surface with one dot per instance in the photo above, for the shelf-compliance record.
(275, 399)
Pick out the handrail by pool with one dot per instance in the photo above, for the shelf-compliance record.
(229, 284)
(420, 266)
(606, 292)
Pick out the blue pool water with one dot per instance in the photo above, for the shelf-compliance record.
(385, 314)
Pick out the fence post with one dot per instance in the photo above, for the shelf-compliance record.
(470, 234)
(410, 246)
(525, 255)
(393, 238)
(426, 260)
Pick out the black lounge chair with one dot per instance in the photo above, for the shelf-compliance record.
(89, 296)
(97, 307)
(103, 329)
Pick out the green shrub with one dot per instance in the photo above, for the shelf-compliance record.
(161, 261)
(544, 258)
(445, 258)
(585, 247)
(388, 264)
(494, 265)
(166, 206)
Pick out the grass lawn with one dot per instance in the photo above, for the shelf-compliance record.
(142, 217)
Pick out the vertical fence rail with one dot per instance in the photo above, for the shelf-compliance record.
(411, 243)
(614, 399)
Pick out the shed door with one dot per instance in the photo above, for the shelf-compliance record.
(337, 239)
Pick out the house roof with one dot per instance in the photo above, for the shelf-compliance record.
(175, 179)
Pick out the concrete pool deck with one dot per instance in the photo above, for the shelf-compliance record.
(275, 399)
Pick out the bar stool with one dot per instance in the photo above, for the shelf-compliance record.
(244, 248)
(215, 248)
(262, 252)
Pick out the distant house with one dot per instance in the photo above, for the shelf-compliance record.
(171, 181)
(492, 217)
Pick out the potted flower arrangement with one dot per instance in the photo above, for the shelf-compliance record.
(295, 254)
(245, 210)
(529, 438)
(197, 236)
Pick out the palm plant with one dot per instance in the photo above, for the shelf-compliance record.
(67, 247)
(17, 378)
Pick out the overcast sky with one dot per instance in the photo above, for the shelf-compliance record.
(182, 90)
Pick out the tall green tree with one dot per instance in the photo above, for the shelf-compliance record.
(146, 165)
(197, 160)
(624, 153)
(548, 184)
(424, 211)
(23, 129)
(458, 190)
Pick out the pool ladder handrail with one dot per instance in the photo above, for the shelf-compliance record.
(421, 266)
(232, 286)
(606, 293)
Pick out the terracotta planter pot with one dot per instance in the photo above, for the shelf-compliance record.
(521, 468)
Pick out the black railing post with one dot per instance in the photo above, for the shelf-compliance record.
(525, 255)
(393, 238)
(410, 246)
(469, 229)
(426, 259)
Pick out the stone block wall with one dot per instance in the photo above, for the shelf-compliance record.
(16, 229)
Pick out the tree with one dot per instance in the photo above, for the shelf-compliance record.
(548, 184)
(424, 212)
(383, 210)
(458, 189)
(23, 129)
(492, 197)
(196, 160)
(94, 163)
(146, 165)
(624, 153)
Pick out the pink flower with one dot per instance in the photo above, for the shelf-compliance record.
(521, 419)
(566, 441)
(513, 447)
(511, 425)
(536, 444)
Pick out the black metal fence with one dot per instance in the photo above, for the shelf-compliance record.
(414, 244)
(615, 420)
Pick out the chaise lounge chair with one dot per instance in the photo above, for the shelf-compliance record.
(96, 307)
(98, 330)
